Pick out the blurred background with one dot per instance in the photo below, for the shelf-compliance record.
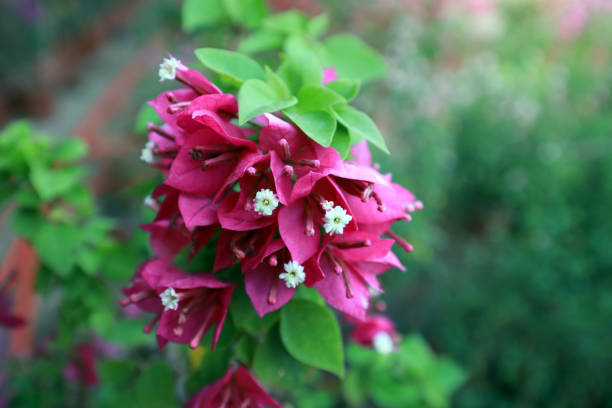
(499, 117)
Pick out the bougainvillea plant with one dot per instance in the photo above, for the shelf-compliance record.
(271, 169)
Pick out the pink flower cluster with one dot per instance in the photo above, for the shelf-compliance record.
(286, 209)
(236, 389)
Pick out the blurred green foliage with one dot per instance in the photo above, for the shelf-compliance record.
(506, 139)
(413, 377)
(42, 182)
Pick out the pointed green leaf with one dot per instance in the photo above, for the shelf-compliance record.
(359, 123)
(317, 97)
(291, 76)
(256, 97)
(348, 88)
(261, 40)
(288, 22)
(235, 66)
(245, 349)
(51, 183)
(202, 13)
(57, 246)
(317, 26)
(342, 142)
(303, 58)
(353, 59)
(246, 318)
(312, 336)
(69, 150)
(318, 125)
(274, 365)
(277, 84)
(249, 13)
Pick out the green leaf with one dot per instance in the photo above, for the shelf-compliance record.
(245, 349)
(89, 260)
(246, 318)
(115, 373)
(291, 76)
(360, 124)
(27, 223)
(255, 97)
(311, 294)
(57, 245)
(69, 150)
(317, 26)
(248, 13)
(318, 125)
(317, 97)
(155, 387)
(277, 84)
(52, 183)
(232, 65)
(126, 332)
(346, 87)
(353, 59)
(146, 115)
(273, 365)
(261, 40)
(354, 388)
(448, 374)
(81, 199)
(214, 365)
(288, 22)
(202, 13)
(312, 336)
(303, 58)
(342, 142)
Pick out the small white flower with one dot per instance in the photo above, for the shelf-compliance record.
(150, 145)
(151, 202)
(293, 275)
(169, 299)
(383, 343)
(335, 220)
(327, 205)
(146, 155)
(364, 302)
(265, 202)
(167, 69)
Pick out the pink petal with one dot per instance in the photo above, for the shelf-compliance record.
(258, 282)
(291, 225)
(197, 210)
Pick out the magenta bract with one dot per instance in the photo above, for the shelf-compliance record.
(287, 209)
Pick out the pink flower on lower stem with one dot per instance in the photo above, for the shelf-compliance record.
(236, 389)
(186, 305)
(7, 319)
(82, 368)
(377, 331)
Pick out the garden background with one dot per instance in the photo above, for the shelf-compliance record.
(498, 115)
